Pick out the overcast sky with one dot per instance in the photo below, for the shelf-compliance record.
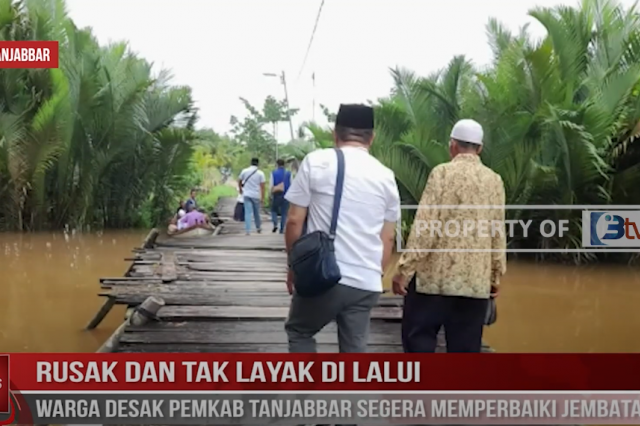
(221, 48)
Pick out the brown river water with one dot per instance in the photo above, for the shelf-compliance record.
(50, 285)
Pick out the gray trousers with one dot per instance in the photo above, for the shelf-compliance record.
(349, 307)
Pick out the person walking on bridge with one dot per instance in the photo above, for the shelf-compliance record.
(251, 186)
(346, 196)
(451, 287)
(280, 182)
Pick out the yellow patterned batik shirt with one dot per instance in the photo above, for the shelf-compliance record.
(443, 225)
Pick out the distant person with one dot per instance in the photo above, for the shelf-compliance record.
(193, 218)
(181, 210)
(238, 213)
(192, 200)
(251, 184)
(181, 207)
(451, 289)
(366, 219)
(280, 183)
(180, 215)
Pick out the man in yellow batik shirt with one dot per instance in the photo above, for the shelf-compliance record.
(462, 250)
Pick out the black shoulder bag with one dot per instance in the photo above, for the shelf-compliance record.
(312, 258)
(238, 214)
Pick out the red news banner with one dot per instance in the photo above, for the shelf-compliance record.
(319, 389)
(29, 54)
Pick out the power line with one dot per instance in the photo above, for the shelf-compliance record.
(313, 33)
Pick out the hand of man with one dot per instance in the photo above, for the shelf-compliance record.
(290, 281)
(399, 285)
(494, 292)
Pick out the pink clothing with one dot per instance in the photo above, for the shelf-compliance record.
(193, 218)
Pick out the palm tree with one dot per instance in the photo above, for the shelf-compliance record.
(89, 143)
(561, 115)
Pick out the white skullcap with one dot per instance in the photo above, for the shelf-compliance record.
(181, 213)
(468, 131)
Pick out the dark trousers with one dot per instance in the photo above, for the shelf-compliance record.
(424, 314)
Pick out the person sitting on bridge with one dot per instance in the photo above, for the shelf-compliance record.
(193, 218)
(192, 200)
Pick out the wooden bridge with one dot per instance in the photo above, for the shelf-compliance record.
(224, 293)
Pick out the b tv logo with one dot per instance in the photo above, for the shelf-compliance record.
(610, 229)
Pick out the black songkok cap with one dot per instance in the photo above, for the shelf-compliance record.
(355, 116)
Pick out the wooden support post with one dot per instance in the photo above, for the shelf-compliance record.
(150, 241)
(104, 310)
(135, 316)
(168, 267)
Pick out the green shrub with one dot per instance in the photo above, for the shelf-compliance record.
(209, 200)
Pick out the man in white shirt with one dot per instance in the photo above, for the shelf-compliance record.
(369, 211)
(251, 184)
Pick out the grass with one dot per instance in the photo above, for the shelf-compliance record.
(209, 200)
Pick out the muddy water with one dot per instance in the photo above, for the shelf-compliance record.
(49, 288)
(49, 284)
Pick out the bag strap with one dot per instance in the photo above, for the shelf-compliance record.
(337, 196)
(249, 177)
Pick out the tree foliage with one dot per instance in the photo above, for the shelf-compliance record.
(92, 142)
(560, 114)
(250, 131)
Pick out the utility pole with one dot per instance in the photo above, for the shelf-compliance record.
(275, 138)
(313, 111)
(286, 99)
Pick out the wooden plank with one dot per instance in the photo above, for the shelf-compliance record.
(230, 242)
(215, 287)
(202, 287)
(157, 285)
(236, 348)
(235, 276)
(216, 313)
(256, 332)
(234, 267)
(210, 255)
(198, 300)
(239, 288)
(129, 280)
(133, 296)
(142, 270)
